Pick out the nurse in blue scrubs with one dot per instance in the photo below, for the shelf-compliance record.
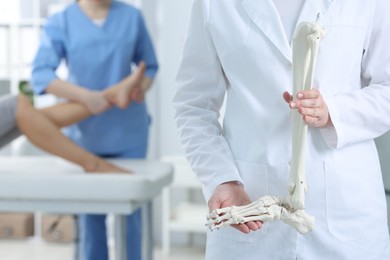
(100, 40)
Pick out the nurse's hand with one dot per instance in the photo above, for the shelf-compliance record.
(96, 102)
(311, 106)
(233, 194)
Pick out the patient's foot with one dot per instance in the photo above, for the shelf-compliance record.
(126, 90)
(102, 166)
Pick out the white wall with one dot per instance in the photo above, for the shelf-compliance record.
(175, 14)
(172, 19)
(9, 10)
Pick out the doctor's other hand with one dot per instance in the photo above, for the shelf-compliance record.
(232, 194)
(311, 106)
(96, 102)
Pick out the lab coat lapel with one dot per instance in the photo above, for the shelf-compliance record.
(265, 16)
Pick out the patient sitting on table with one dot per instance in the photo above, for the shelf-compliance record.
(43, 127)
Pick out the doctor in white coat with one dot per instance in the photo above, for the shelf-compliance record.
(240, 48)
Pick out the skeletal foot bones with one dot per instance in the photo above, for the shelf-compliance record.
(266, 208)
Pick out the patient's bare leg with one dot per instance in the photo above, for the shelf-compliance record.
(44, 131)
(126, 90)
(66, 114)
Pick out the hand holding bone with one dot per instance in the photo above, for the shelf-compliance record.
(232, 194)
(311, 106)
(266, 208)
(290, 209)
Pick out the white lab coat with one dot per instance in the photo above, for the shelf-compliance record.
(238, 47)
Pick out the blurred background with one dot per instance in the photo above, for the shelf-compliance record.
(181, 222)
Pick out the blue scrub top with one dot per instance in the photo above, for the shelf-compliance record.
(98, 57)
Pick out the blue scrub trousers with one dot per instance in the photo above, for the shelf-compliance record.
(93, 237)
(93, 234)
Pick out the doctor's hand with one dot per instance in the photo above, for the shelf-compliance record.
(311, 106)
(233, 194)
(96, 102)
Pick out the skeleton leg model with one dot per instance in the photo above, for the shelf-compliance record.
(290, 210)
(305, 49)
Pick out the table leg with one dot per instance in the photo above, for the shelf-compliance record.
(120, 237)
(148, 230)
(76, 228)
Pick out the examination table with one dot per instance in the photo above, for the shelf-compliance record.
(52, 185)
